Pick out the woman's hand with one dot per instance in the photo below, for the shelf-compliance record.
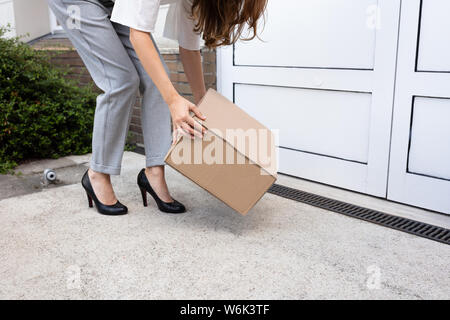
(182, 121)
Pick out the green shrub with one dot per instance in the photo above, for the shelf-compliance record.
(42, 114)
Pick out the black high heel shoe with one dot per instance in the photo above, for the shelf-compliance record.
(116, 209)
(168, 207)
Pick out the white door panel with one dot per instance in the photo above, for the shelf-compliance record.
(7, 17)
(329, 170)
(311, 120)
(316, 32)
(429, 152)
(434, 47)
(338, 68)
(420, 148)
(329, 79)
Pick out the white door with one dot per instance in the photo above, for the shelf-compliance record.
(420, 153)
(325, 78)
(7, 17)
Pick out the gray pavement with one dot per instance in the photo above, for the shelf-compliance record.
(52, 246)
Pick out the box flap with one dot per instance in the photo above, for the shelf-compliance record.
(222, 116)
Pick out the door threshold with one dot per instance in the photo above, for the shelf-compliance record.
(366, 201)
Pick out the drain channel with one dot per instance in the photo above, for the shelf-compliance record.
(386, 220)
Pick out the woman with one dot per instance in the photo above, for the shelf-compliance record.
(114, 39)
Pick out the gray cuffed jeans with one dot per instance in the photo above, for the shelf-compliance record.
(106, 50)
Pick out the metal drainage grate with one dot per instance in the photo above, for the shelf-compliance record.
(398, 223)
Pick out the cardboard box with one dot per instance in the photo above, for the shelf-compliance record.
(235, 161)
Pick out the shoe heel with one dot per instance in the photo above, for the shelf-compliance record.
(144, 197)
(89, 200)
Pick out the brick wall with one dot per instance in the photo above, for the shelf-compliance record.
(180, 83)
(62, 53)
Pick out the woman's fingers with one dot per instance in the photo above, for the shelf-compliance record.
(175, 135)
(184, 122)
(197, 112)
(200, 115)
(199, 130)
(187, 130)
(179, 131)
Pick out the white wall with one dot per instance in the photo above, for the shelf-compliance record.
(27, 18)
(31, 17)
(7, 16)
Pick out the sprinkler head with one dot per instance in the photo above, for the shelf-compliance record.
(49, 175)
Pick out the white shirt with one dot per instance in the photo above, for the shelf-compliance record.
(142, 15)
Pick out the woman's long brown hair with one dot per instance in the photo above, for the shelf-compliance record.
(222, 22)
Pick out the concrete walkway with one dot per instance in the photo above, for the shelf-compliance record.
(52, 246)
